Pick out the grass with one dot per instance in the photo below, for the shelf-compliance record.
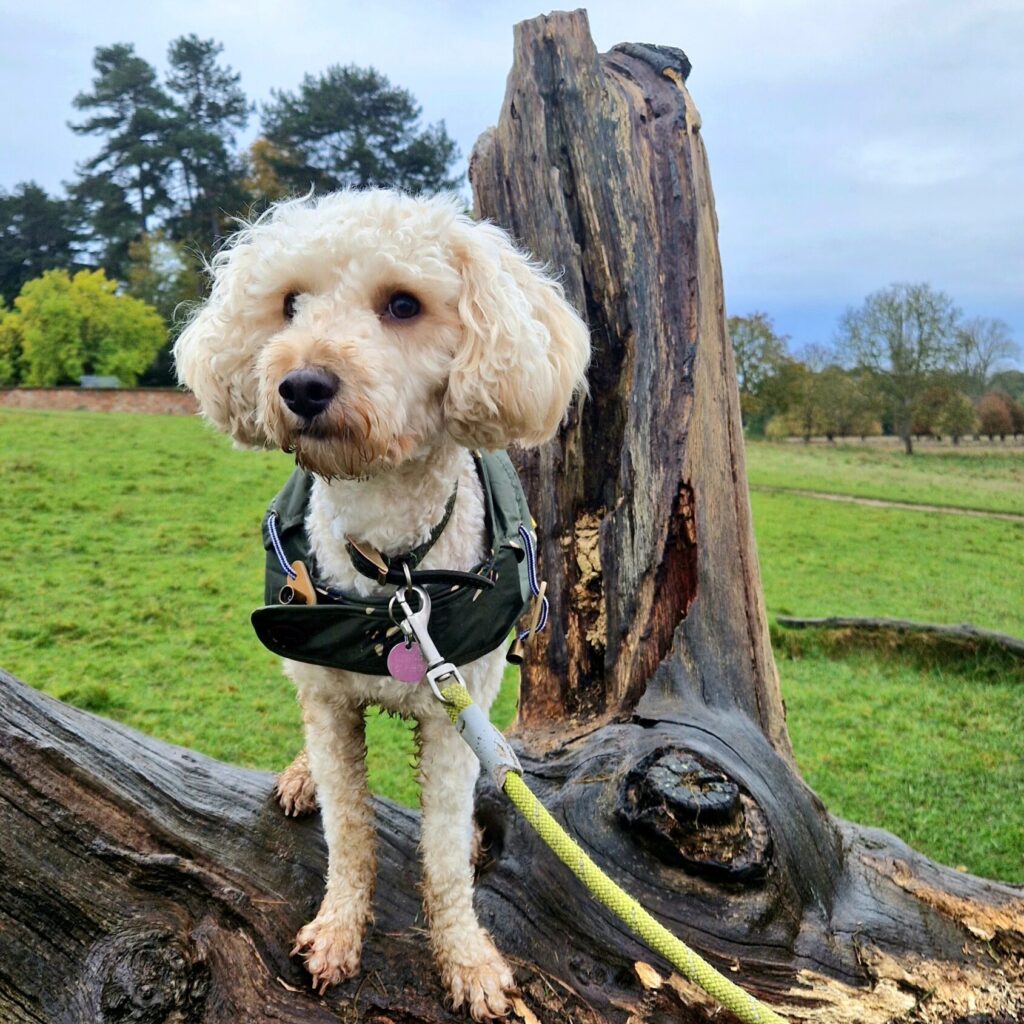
(133, 559)
(134, 554)
(977, 478)
(919, 738)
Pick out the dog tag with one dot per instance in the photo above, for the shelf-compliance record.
(406, 662)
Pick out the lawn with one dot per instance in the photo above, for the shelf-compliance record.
(989, 477)
(133, 559)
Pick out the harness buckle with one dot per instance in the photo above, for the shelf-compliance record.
(414, 624)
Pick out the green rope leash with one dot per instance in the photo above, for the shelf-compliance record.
(602, 888)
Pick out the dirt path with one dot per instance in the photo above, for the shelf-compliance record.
(908, 506)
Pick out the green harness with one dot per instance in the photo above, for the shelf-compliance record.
(355, 633)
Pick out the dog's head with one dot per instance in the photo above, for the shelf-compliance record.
(363, 327)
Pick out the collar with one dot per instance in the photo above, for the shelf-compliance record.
(391, 568)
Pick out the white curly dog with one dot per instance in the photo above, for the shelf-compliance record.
(380, 337)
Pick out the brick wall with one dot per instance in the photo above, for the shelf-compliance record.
(146, 400)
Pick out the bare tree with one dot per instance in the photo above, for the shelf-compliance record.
(981, 345)
(904, 335)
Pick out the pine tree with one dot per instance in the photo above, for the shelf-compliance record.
(350, 127)
(211, 108)
(127, 183)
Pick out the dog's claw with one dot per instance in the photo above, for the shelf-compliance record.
(295, 789)
(331, 952)
(482, 985)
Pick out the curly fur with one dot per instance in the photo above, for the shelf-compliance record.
(494, 357)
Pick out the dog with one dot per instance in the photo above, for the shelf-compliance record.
(381, 338)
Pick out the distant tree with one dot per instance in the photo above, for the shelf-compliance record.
(759, 353)
(929, 408)
(979, 346)
(62, 327)
(37, 233)
(350, 127)
(127, 183)
(1010, 382)
(995, 415)
(163, 274)
(1016, 416)
(903, 335)
(957, 416)
(847, 406)
(210, 108)
(261, 181)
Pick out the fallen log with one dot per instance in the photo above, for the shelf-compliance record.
(963, 633)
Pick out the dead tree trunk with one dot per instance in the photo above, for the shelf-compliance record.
(145, 883)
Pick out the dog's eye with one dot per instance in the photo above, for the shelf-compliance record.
(288, 307)
(403, 306)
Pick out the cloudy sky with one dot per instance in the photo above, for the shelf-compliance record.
(852, 144)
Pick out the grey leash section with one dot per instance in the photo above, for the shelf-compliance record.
(495, 754)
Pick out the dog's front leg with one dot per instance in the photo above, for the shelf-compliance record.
(336, 741)
(472, 968)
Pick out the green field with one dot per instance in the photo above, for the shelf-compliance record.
(133, 558)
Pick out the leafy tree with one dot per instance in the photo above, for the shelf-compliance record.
(980, 345)
(994, 415)
(63, 326)
(37, 233)
(957, 416)
(1010, 382)
(903, 335)
(163, 275)
(846, 402)
(128, 181)
(759, 353)
(350, 127)
(210, 107)
(262, 182)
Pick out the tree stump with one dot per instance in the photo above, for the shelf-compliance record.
(146, 883)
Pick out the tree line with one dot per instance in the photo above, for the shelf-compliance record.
(906, 362)
(167, 184)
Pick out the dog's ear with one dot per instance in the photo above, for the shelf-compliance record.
(215, 355)
(524, 351)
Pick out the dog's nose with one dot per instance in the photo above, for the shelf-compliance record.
(308, 392)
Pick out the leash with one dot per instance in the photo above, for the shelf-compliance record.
(499, 760)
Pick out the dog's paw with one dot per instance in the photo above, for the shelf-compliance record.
(481, 984)
(331, 950)
(295, 789)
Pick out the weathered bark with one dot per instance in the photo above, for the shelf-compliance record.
(146, 883)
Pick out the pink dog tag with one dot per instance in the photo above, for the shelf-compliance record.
(406, 663)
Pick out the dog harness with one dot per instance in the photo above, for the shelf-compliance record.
(472, 613)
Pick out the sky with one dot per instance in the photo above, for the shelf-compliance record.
(851, 144)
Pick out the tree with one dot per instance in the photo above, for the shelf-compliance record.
(210, 107)
(262, 181)
(63, 327)
(903, 335)
(957, 416)
(979, 346)
(759, 352)
(163, 886)
(37, 233)
(350, 127)
(163, 274)
(128, 182)
(847, 405)
(995, 415)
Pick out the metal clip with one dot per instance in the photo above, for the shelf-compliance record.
(414, 625)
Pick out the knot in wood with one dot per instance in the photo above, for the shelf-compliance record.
(145, 978)
(690, 814)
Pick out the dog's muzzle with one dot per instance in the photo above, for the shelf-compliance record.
(308, 392)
